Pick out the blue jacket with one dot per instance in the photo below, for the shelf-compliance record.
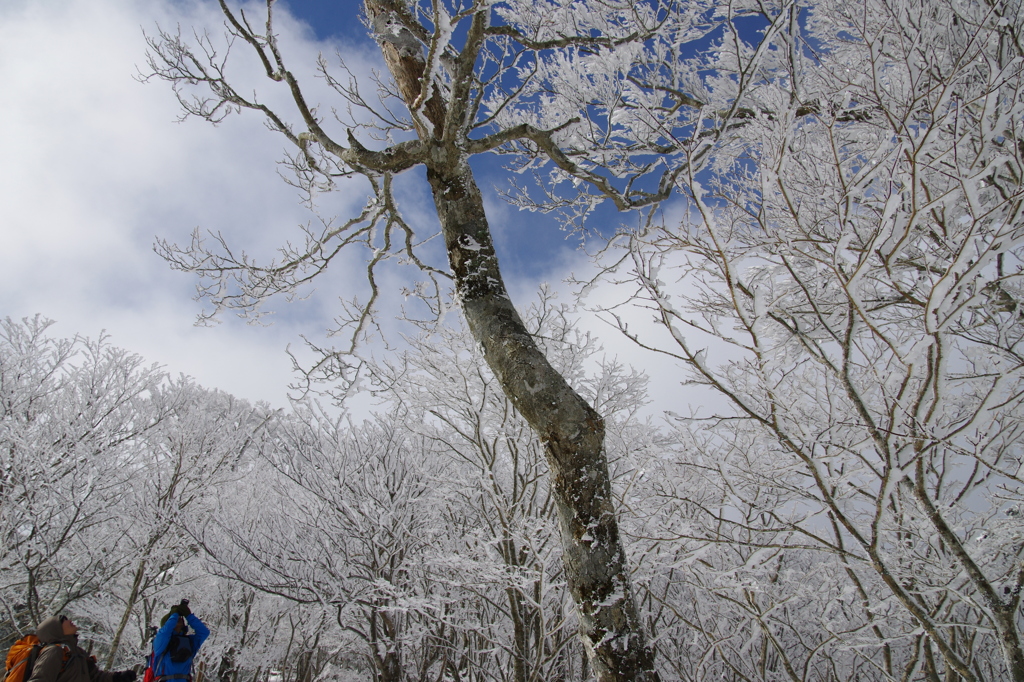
(163, 666)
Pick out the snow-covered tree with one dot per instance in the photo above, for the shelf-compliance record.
(467, 79)
(847, 239)
(345, 519)
(178, 471)
(443, 545)
(72, 412)
(845, 274)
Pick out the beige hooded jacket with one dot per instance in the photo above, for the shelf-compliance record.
(67, 662)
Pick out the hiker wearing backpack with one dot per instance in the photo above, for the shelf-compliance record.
(58, 658)
(173, 647)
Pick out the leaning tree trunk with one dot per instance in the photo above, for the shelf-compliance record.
(570, 429)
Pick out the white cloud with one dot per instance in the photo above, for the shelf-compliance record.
(96, 166)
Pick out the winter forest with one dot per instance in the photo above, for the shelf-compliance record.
(820, 206)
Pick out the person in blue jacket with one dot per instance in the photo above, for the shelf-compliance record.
(173, 646)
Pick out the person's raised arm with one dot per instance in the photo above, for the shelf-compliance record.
(201, 631)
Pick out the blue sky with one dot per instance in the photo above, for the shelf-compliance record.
(331, 19)
(96, 167)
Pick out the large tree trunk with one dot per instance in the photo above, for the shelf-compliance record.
(571, 431)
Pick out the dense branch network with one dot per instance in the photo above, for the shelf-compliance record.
(475, 96)
(849, 178)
